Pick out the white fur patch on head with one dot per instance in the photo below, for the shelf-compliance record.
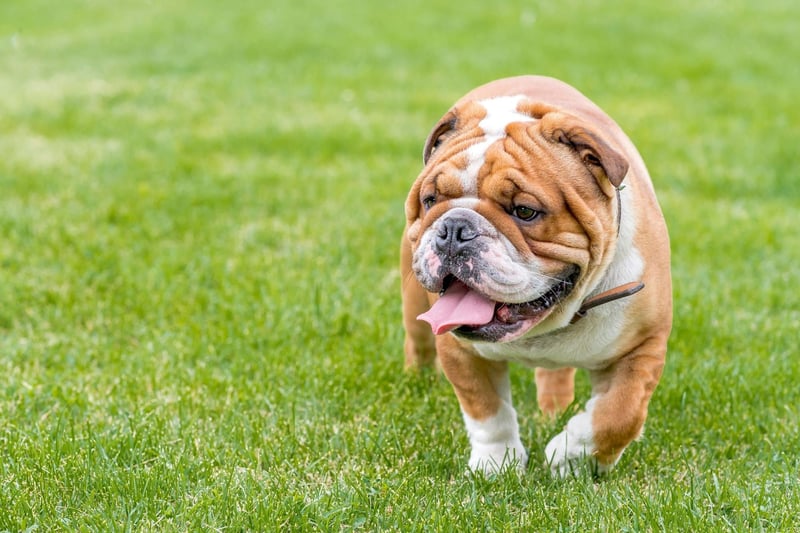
(500, 112)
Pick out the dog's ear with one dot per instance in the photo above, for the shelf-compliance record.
(602, 160)
(445, 125)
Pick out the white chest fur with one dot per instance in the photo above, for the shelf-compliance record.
(589, 343)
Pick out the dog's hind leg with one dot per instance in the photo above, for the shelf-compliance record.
(555, 389)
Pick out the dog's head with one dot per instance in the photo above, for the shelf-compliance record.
(513, 213)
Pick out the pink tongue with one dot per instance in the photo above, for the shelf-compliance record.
(458, 306)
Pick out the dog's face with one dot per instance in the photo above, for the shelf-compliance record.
(514, 212)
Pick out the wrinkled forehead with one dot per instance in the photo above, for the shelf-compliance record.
(486, 121)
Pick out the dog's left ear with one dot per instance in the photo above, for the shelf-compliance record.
(445, 125)
(602, 160)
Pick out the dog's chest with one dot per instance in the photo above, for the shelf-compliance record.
(590, 343)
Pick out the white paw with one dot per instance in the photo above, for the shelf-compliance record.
(573, 448)
(493, 458)
(495, 442)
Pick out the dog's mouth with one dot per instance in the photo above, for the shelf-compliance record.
(472, 315)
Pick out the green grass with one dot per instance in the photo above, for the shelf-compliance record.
(200, 209)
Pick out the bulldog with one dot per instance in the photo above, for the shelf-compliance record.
(533, 234)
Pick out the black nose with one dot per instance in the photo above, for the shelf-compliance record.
(454, 234)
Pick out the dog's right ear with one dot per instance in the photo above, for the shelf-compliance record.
(435, 138)
(599, 157)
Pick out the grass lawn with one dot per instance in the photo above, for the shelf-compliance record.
(200, 207)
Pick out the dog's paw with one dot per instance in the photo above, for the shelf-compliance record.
(495, 442)
(494, 458)
(573, 449)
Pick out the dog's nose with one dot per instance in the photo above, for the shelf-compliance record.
(454, 234)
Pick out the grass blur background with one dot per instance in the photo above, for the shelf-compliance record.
(200, 207)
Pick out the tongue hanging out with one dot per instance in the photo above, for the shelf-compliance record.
(458, 306)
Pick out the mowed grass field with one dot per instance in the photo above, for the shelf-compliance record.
(200, 207)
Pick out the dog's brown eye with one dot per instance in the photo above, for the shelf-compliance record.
(525, 213)
(428, 202)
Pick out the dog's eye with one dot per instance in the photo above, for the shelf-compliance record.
(428, 202)
(525, 213)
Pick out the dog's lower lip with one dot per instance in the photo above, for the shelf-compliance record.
(509, 315)
(554, 295)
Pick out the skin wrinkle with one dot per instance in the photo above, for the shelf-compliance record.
(521, 156)
(514, 173)
(448, 186)
(521, 145)
(595, 228)
(497, 216)
(457, 148)
(461, 138)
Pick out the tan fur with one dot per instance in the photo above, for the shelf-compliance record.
(555, 389)
(552, 164)
(420, 348)
(474, 378)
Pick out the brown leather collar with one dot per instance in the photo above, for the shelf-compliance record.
(608, 296)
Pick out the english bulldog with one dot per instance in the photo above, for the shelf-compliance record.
(533, 234)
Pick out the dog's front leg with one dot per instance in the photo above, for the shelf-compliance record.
(420, 348)
(484, 392)
(613, 418)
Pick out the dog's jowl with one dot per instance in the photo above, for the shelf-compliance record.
(533, 235)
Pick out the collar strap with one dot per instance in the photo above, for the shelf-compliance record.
(608, 296)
